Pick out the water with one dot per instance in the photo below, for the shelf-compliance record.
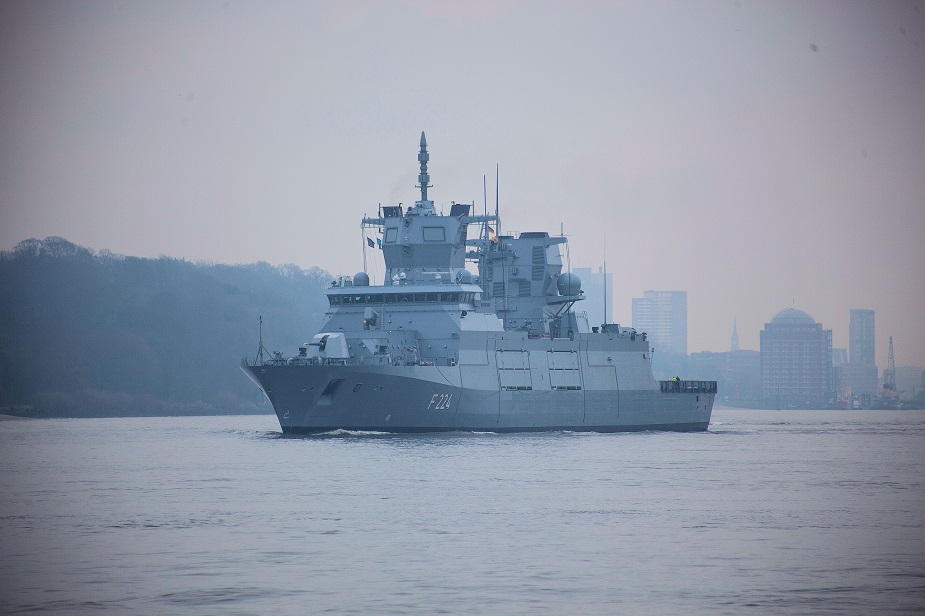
(769, 512)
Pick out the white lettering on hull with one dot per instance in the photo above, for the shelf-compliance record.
(440, 402)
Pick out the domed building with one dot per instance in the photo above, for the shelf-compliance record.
(796, 361)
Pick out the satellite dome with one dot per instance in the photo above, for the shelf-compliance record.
(464, 277)
(361, 279)
(792, 316)
(568, 284)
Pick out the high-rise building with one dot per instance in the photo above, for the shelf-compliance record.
(663, 315)
(796, 361)
(859, 375)
(598, 292)
(861, 349)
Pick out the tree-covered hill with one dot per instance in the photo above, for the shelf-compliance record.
(99, 334)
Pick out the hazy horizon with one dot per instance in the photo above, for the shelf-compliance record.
(759, 156)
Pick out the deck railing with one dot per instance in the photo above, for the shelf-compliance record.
(678, 386)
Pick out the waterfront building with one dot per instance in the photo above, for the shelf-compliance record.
(862, 339)
(859, 375)
(742, 379)
(909, 382)
(663, 315)
(737, 373)
(598, 292)
(796, 361)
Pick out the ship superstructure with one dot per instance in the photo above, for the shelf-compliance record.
(438, 348)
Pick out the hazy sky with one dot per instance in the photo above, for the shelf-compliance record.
(757, 155)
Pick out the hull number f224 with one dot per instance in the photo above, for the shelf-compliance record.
(440, 402)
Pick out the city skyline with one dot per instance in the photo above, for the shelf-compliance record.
(867, 338)
(760, 156)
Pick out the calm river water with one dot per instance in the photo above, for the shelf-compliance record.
(770, 512)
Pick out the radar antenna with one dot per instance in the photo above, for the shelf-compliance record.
(423, 177)
(606, 320)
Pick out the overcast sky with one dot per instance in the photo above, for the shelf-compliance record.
(759, 156)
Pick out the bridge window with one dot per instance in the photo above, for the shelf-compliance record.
(393, 298)
(391, 234)
(434, 234)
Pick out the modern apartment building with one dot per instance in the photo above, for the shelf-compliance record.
(663, 315)
(796, 361)
(859, 376)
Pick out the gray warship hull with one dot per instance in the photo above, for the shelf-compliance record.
(437, 347)
(311, 399)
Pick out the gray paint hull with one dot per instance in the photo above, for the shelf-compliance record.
(315, 399)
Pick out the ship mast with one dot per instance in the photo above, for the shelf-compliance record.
(423, 177)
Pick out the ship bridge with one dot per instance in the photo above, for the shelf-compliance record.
(521, 279)
(421, 246)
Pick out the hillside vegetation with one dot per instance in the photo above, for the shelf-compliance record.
(100, 334)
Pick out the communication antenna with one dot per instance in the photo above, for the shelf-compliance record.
(605, 290)
(485, 201)
(568, 253)
(260, 348)
(363, 235)
(568, 266)
(605, 277)
(504, 277)
(497, 218)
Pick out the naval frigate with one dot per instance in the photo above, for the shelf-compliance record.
(438, 347)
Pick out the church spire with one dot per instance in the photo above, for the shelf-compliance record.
(734, 345)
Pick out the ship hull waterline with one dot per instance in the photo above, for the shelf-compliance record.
(423, 399)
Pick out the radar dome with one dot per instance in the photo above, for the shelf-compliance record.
(568, 284)
(464, 277)
(361, 279)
